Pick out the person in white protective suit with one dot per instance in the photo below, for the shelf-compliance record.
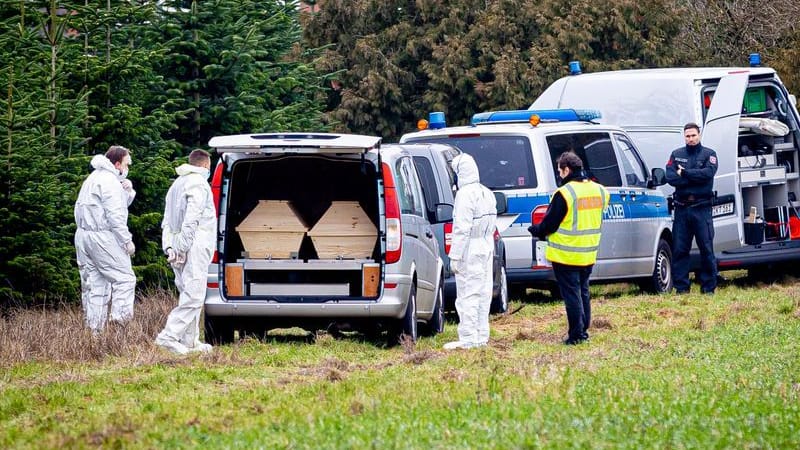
(471, 253)
(103, 243)
(189, 232)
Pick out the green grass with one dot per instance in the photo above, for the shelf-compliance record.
(659, 372)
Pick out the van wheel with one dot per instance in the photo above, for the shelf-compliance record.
(436, 324)
(661, 280)
(500, 302)
(407, 326)
(218, 330)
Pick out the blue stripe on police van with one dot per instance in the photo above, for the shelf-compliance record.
(523, 205)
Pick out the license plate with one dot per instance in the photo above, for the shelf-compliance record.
(722, 210)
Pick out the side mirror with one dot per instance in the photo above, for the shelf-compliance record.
(444, 212)
(502, 203)
(657, 178)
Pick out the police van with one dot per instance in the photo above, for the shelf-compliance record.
(747, 116)
(516, 153)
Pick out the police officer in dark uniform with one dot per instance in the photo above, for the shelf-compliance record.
(691, 171)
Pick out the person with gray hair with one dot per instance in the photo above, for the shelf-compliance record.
(103, 243)
(189, 233)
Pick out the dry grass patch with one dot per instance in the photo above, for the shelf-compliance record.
(59, 335)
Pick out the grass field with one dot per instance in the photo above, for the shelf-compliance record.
(659, 372)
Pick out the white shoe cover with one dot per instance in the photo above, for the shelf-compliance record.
(171, 345)
(455, 345)
(201, 347)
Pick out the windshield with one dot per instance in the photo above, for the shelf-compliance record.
(504, 162)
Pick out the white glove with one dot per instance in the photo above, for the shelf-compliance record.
(180, 259)
(172, 255)
(455, 266)
(127, 185)
(130, 249)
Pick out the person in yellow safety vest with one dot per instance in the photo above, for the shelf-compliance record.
(572, 228)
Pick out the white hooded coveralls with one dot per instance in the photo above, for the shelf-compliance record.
(190, 228)
(472, 250)
(101, 216)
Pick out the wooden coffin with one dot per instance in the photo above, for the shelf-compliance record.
(272, 230)
(344, 231)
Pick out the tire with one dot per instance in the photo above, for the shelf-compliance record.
(500, 302)
(407, 325)
(660, 281)
(218, 330)
(436, 324)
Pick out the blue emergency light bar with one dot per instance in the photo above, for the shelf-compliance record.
(546, 115)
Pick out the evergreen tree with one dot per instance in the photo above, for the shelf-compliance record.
(229, 62)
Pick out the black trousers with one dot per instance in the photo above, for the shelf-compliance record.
(693, 223)
(573, 282)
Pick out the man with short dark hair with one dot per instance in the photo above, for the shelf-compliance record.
(691, 171)
(103, 243)
(572, 227)
(189, 232)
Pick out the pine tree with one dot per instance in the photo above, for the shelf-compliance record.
(229, 60)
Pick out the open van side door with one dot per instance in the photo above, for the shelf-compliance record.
(721, 134)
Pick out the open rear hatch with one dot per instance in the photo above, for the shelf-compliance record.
(302, 218)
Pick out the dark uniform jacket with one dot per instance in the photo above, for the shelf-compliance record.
(696, 182)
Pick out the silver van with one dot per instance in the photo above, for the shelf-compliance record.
(747, 116)
(331, 277)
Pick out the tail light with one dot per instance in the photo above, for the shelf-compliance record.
(448, 237)
(216, 192)
(394, 231)
(537, 215)
(216, 185)
(496, 235)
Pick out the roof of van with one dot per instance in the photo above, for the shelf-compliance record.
(677, 72)
(514, 128)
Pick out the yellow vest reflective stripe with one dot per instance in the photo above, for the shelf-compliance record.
(578, 237)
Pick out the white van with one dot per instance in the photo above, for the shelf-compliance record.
(516, 153)
(758, 166)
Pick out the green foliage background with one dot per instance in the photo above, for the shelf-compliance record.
(161, 78)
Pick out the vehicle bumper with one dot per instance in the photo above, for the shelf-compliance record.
(530, 277)
(391, 304)
(753, 255)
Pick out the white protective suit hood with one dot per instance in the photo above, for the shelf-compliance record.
(466, 170)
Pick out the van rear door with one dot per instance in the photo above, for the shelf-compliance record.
(294, 143)
(721, 134)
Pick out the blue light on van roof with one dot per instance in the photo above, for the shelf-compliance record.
(524, 115)
(436, 120)
(574, 67)
(755, 59)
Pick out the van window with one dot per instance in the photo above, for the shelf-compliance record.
(504, 162)
(408, 190)
(632, 166)
(594, 149)
(428, 180)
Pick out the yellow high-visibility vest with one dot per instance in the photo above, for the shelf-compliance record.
(578, 237)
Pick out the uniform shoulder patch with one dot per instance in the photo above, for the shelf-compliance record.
(712, 159)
